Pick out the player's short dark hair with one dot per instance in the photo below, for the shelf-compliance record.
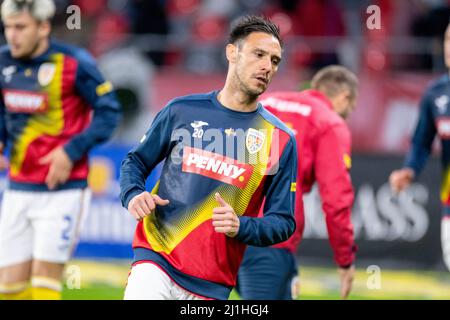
(251, 23)
(333, 79)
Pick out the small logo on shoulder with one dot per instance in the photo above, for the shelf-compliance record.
(294, 187)
(347, 161)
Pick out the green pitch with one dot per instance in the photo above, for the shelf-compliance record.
(106, 280)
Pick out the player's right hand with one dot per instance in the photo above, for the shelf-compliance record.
(401, 179)
(144, 204)
(60, 167)
(224, 219)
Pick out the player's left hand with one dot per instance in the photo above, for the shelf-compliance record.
(347, 275)
(60, 167)
(224, 219)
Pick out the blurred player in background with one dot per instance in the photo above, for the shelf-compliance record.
(317, 118)
(223, 153)
(434, 118)
(48, 91)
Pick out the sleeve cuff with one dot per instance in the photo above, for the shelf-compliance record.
(72, 152)
(243, 226)
(130, 195)
(348, 259)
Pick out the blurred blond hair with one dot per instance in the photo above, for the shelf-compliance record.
(41, 10)
(331, 80)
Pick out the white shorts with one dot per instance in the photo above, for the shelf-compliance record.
(148, 282)
(445, 240)
(41, 225)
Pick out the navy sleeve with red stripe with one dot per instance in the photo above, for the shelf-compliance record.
(106, 108)
(278, 222)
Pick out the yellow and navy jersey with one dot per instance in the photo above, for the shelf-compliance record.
(208, 148)
(47, 102)
(434, 119)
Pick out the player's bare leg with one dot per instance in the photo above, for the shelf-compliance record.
(445, 240)
(46, 280)
(14, 281)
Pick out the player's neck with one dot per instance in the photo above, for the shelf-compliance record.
(235, 99)
(41, 48)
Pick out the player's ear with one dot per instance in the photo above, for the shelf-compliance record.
(343, 96)
(231, 52)
(342, 103)
(44, 29)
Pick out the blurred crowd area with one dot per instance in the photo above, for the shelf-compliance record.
(190, 33)
(155, 50)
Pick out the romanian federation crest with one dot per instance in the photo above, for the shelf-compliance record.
(46, 73)
(254, 140)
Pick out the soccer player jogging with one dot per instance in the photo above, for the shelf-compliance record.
(223, 153)
(48, 92)
(324, 144)
(434, 119)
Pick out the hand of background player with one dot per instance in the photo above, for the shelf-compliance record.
(144, 204)
(401, 179)
(60, 167)
(224, 219)
(3, 160)
(346, 276)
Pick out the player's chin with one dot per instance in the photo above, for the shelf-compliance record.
(258, 90)
(18, 54)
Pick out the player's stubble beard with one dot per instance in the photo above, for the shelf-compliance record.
(251, 94)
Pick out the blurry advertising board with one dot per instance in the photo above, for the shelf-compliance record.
(403, 229)
(108, 229)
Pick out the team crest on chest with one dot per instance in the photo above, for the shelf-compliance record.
(254, 140)
(46, 73)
